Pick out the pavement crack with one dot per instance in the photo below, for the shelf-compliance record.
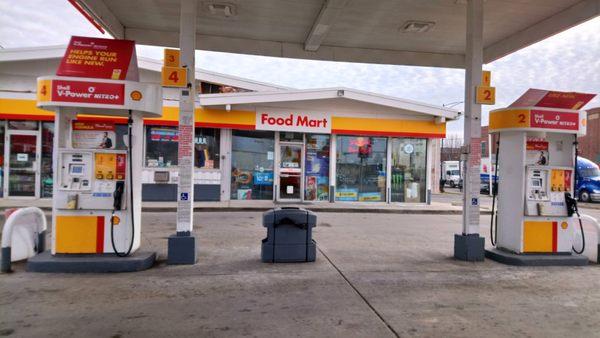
(379, 315)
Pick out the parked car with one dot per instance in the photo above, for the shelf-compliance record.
(485, 182)
(587, 186)
(484, 187)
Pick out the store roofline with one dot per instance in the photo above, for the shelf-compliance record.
(324, 94)
(57, 52)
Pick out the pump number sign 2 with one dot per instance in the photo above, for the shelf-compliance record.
(486, 95)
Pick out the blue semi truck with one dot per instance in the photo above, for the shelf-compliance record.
(588, 181)
(587, 184)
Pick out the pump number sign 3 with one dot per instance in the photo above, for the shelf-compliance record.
(171, 58)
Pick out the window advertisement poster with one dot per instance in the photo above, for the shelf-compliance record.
(262, 178)
(164, 135)
(369, 196)
(317, 164)
(244, 194)
(360, 145)
(93, 135)
(347, 194)
(311, 188)
(317, 174)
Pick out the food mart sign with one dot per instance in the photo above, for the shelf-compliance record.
(292, 121)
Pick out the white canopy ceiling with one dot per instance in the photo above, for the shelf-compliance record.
(381, 31)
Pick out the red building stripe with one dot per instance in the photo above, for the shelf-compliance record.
(387, 133)
(100, 234)
(200, 124)
(116, 120)
(226, 125)
(161, 123)
(554, 236)
(27, 117)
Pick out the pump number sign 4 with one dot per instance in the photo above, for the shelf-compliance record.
(174, 77)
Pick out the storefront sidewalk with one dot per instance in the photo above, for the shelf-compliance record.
(351, 207)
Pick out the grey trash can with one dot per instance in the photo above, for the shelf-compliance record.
(289, 235)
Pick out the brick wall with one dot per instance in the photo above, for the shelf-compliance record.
(589, 145)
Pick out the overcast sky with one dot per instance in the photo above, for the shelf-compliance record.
(569, 61)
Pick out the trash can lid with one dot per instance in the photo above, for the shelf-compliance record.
(289, 215)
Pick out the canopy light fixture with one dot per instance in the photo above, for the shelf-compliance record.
(417, 26)
(463, 2)
(222, 9)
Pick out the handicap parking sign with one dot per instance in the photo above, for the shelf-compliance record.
(474, 201)
(184, 196)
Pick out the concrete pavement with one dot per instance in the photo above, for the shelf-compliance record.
(376, 275)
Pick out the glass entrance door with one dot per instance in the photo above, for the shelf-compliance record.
(290, 172)
(22, 164)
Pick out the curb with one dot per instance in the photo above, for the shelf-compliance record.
(328, 210)
(595, 206)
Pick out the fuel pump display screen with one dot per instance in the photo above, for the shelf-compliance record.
(536, 183)
(76, 169)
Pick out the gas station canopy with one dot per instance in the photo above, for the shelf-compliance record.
(403, 32)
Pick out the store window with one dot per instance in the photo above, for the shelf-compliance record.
(316, 185)
(206, 148)
(23, 125)
(46, 160)
(162, 147)
(22, 168)
(291, 137)
(361, 165)
(252, 156)
(484, 151)
(409, 160)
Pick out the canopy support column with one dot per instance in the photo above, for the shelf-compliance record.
(182, 245)
(469, 245)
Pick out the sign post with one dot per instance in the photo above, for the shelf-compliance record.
(182, 245)
(468, 245)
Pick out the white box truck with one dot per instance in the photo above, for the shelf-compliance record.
(451, 173)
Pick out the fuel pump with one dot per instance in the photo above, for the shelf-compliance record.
(96, 205)
(535, 213)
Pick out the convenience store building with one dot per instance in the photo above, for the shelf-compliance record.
(253, 141)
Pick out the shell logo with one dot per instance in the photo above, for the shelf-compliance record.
(136, 95)
(583, 122)
(564, 225)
